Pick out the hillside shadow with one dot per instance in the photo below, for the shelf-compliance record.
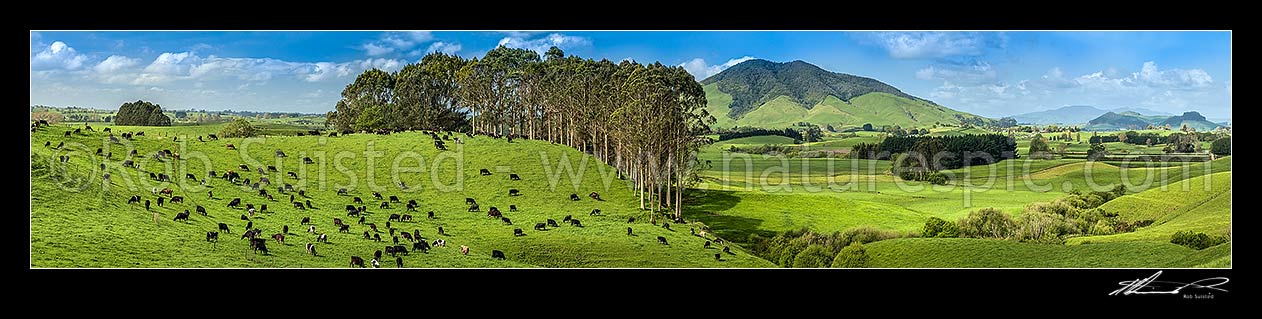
(707, 206)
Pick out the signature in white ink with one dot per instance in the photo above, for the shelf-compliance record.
(1151, 285)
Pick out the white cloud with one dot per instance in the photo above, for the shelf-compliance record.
(396, 42)
(115, 63)
(58, 55)
(1169, 90)
(914, 45)
(700, 70)
(976, 73)
(440, 46)
(541, 45)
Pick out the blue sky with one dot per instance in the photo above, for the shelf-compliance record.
(987, 73)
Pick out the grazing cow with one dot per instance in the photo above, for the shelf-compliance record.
(440, 243)
(341, 191)
(366, 235)
(666, 225)
(311, 249)
(212, 236)
(376, 237)
(311, 229)
(574, 197)
(265, 180)
(271, 168)
(718, 240)
(306, 220)
(539, 226)
(594, 195)
(177, 199)
(395, 239)
(440, 231)
(473, 208)
(182, 216)
(280, 238)
(514, 177)
(133, 200)
(431, 214)
(259, 170)
(553, 223)
(323, 238)
(356, 261)
(398, 262)
(470, 201)
(292, 174)
(361, 220)
(399, 249)
(250, 207)
(307, 160)
(259, 244)
(512, 208)
(662, 240)
(595, 212)
(518, 232)
(706, 245)
(377, 195)
(279, 153)
(394, 199)
(631, 220)
(567, 218)
(513, 192)
(506, 221)
(48, 143)
(727, 250)
(285, 230)
(338, 221)
(484, 172)
(351, 210)
(147, 204)
(298, 205)
(249, 224)
(345, 228)
(98, 150)
(385, 205)
(497, 254)
(494, 212)
(129, 163)
(373, 226)
(234, 203)
(224, 228)
(243, 167)
(166, 191)
(703, 234)
(464, 250)
(357, 200)
(190, 176)
(405, 218)
(60, 144)
(243, 217)
(421, 246)
(309, 204)
(407, 235)
(201, 210)
(576, 223)
(377, 254)
(67, 134)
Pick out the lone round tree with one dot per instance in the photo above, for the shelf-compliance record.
(141, 113)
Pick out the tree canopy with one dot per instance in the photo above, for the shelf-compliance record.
(141, 113)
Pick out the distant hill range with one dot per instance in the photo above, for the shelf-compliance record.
(767, 94)
(1135, 121)
(1075, 114)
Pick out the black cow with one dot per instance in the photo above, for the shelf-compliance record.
(706, 245)
(553, 223)
(629, 231)
(567, 218)
(514, 177)
(727, 250)
(234, 203)
(182, 216)
(212, 236)
(631, 220)
(662, 240)
(398, 262)
(513, 192)
(512, 208)
(595, 212)
(576, 223)
(133, 200)
(271, 168)
(574, 197)
(497, 254)
(279, 153)
(307, 160)
(506, 221)
(518, 232)
(666, 225)
(356, 261)
(306, 220)
(177, 199)
(243, 167)
(483, 171)
(160, 200)
(224, 228)
(400, 249)
(470, 201)
(341, 191)
(298, 205)
(357, 200)
(292, 174)
(384, 205)
(595, 196)
(394, 199)
(147, 204)
(440, 231)
(406, 218)
(345, 228)
(539, 226)
(259, 244)
(431, 214)
(377, 254)
(421, 245)
(201, 210)
(473, 208)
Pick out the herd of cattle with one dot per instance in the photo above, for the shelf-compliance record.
(258, 243)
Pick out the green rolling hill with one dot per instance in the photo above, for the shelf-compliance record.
(761, 93)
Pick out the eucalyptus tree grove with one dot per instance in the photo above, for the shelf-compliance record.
(646, 120)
